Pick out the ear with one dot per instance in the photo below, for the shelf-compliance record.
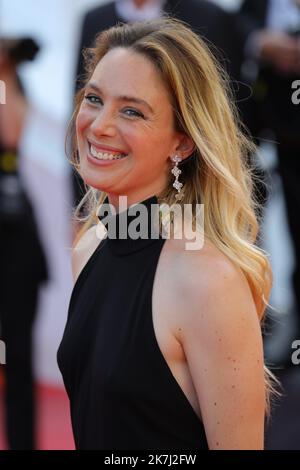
(185, 146)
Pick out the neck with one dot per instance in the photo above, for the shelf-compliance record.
(123, 201)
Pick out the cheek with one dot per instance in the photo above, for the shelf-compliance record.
(83, 120)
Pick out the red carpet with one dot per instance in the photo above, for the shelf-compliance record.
(53, 419)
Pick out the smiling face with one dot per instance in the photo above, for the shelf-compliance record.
(125, 128)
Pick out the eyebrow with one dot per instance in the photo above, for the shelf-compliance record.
(132, 99)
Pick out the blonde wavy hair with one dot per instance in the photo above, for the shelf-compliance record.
(219, 175)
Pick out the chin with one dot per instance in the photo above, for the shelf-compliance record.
(105, 180)
(95, 182)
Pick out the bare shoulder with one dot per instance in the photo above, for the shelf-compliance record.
(208, 264)
(218, 327)
(84, 249)
(215, 290)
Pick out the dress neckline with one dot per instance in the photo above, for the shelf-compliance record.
(132, 229)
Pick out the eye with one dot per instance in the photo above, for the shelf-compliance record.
(135, 113)
(93, 99)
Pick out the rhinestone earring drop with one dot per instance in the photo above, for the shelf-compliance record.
(176, 172)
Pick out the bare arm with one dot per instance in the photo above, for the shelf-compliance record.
(222, 341)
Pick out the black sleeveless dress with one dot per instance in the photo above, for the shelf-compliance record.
(122, 392)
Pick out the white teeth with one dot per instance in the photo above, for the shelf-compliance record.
(105, 155)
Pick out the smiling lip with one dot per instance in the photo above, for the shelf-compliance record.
(102, 163)
(105, 148)
(97, 162)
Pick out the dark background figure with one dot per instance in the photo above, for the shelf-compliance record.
(271, 30)
(214, 24)
(23, 264)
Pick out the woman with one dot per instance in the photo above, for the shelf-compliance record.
(162, 347)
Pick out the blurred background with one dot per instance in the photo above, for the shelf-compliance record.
(48, 82)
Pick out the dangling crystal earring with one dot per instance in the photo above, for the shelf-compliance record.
(176, 172)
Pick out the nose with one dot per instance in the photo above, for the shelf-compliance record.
(104, 123)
